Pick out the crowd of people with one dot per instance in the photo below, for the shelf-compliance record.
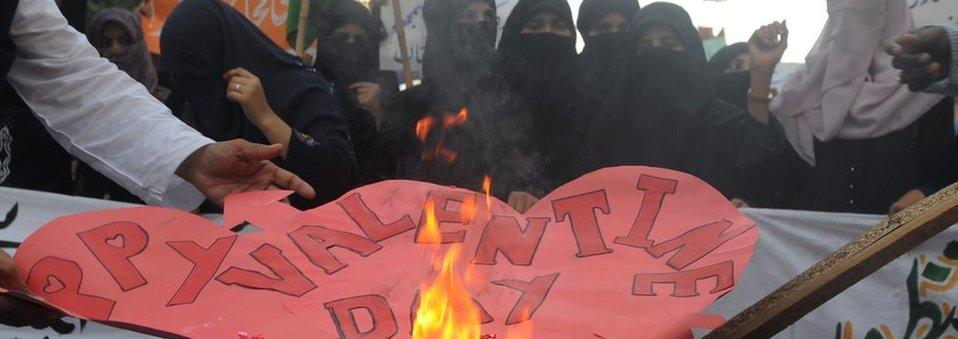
(849, 131)
(843, 134)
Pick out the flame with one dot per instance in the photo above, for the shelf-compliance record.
(486, 187)
(429, 234)
(468, 210)
(450, 120)
(523, 329)
(422, 128)
(446, 310)
(446, 154)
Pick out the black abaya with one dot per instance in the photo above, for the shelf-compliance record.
(541, 72)
(664, 113)
(202, 39)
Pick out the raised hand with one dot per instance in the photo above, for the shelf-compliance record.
(923, 56)
(767, 45)
(245, 89)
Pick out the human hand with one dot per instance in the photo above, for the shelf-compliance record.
(245, 89)
(767, 45)
(235, 166)
(368, 94)
(910, 198)
(17, 312)
(923, 56)
(522, 201)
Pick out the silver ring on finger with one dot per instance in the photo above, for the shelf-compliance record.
(238, 87)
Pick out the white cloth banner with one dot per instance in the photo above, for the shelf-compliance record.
(875, 308)
(886, 305)
(928, 12)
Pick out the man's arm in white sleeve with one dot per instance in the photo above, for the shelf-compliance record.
(97, 112)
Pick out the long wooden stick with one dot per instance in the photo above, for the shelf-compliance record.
(855, 261)
(301, 28)
(403, 47)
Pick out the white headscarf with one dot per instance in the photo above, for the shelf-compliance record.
(847, 88)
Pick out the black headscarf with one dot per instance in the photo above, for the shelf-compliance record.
(542, 73)
(347, 63)
(532, 62)
(592, 11)
(663, 111)
(203, 39)
(603, 57)
(457, 55)
(731, 87)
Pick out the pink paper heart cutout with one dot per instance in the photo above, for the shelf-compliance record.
(597, 256)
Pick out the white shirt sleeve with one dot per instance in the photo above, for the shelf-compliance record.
(97, 112)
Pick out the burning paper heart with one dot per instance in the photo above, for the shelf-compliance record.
(624, 252)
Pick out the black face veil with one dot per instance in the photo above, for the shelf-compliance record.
(604, 55)
(457, 52)
(346, 62)
(660, 103)
(731, 87)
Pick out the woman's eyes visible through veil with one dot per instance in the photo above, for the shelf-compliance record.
(535, 25)
(479, 11)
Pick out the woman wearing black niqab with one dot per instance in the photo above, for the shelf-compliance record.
(729, 71)
(663, 112)
(538, 61)
(202, 40)
(349, 56)
(459, 73)
(604, 25)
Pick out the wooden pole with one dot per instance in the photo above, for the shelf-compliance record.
(301, 29)
(403, 48)
(855, 261)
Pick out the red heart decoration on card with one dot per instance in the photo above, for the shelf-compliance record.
(53, 285)
(116, 241)
(623, 252)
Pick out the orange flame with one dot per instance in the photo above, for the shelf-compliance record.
(486, 187)
(468, 210)
(450, 120)
(429, 234)
(446, 154)
(423, 126)
(446, 310)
